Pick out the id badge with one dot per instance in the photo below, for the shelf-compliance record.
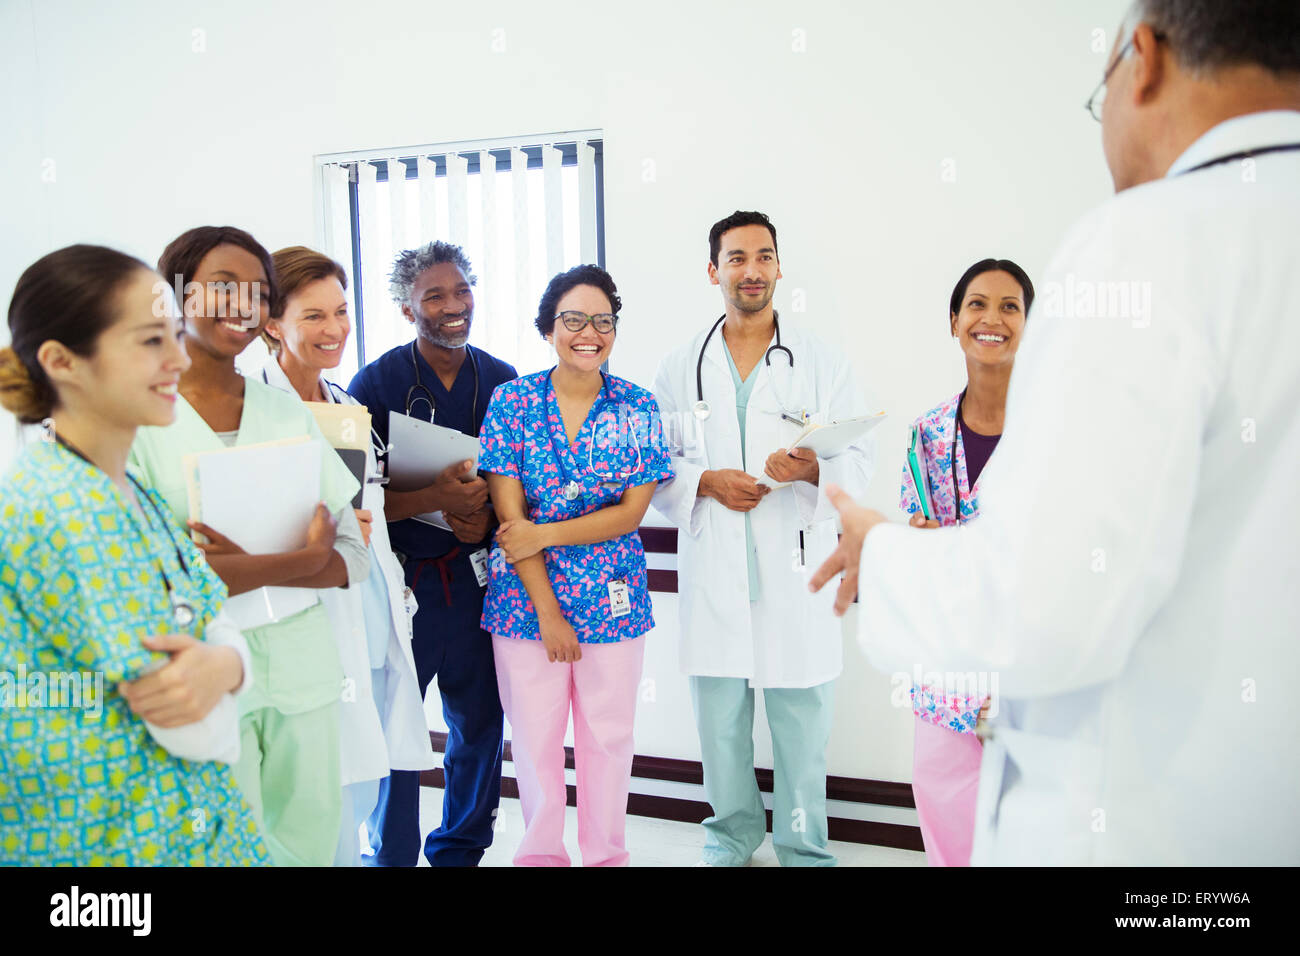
(479, 560)
(620, 605)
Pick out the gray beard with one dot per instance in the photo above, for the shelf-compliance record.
(449, 341)
(433, 334)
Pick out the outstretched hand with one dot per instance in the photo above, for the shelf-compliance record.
(857, 521)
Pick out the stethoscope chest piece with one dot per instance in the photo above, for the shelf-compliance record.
(701, 410)
(571, 491)
(182, 613)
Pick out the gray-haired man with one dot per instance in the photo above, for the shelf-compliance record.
(440, 377)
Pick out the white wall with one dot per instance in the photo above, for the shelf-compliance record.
(843, 144)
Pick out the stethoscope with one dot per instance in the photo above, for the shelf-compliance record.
(956, 432)
(427, 397)
(183, 615)
(571, 489)
(1242, 154)
(702, 409)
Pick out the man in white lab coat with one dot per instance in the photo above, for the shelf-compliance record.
(1132, 578)
(733, 399)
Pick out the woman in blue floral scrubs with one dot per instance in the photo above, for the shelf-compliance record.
(573, 456)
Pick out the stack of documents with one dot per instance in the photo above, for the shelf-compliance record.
(262, 497)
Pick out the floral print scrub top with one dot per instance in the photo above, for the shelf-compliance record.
(83, 783)
(619, 446)
(940, 440)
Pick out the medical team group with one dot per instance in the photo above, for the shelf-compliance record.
(520, 585)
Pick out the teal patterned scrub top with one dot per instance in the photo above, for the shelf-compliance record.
(81, 780)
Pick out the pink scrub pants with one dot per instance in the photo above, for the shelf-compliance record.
(537, 695)
(945, 782)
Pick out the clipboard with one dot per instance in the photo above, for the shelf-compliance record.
(419, 451)
(826, 440)
(916, 470)
(347, 429)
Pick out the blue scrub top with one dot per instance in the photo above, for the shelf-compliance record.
(382, 386)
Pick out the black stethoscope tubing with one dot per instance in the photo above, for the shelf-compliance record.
(767, 356)
(428, 395)
(1243, 154)
(956, 433)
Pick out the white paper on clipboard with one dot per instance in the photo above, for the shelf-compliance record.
(827, 440)
(263, 498)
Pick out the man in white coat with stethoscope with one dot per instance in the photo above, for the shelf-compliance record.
(733, 399)
(1132, 577)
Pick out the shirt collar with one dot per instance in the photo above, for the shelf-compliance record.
(1250, 131)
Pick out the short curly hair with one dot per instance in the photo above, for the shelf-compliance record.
(409, 263)
(563, 283)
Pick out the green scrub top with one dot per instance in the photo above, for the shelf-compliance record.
(743, 391)
(295, 660)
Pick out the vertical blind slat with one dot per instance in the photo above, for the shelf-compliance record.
(551, 158)
(427, 172)
(587, 201)
(457, 199)
(523, 261)
(374, 286)
(397, 202)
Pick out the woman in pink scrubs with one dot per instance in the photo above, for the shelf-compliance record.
(987, 318)
(572, 457)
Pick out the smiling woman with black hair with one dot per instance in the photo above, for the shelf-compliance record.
(986, 315)
(289, 766)
(572, 456)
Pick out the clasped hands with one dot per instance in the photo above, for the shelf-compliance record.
(464, 499)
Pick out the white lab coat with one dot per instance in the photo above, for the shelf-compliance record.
(789, 637)
(372, 743)
(1131, 579)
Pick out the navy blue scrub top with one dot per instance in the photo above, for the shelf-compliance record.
(382, 386)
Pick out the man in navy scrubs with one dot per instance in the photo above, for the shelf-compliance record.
(445, 558)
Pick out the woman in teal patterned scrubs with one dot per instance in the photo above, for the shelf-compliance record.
(94, 579)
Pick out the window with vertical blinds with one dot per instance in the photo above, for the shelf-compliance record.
(523, 209)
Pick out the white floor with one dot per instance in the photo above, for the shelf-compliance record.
(651, 842)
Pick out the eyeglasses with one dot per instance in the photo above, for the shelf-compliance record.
(603, 323)
(1093, 106)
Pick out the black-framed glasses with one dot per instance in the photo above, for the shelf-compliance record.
(604, 322)
(1093, 106)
